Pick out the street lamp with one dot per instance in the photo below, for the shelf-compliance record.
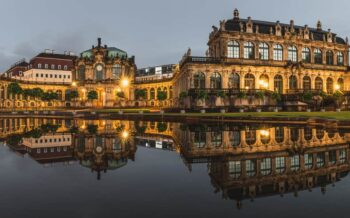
(125, 82)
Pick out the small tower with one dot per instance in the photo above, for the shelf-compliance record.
(319, 25)
(99, 42)
(236, 14)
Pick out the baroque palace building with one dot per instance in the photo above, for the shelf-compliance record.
(249, 63)
(248, 56)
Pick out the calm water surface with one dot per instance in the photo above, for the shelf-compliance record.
(111, 168)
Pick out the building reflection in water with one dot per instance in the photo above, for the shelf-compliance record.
(244, 162)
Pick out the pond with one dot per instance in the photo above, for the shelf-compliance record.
(124, 168)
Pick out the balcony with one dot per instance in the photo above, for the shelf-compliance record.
(258, 62)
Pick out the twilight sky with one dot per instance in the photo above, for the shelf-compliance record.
(155, 31)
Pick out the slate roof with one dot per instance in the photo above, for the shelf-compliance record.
(265, 26)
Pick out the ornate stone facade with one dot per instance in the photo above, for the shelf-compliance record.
(246, 55)
(108, 71)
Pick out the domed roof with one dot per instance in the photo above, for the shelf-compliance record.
(112, 52)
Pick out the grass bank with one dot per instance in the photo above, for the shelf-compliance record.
(344, 115)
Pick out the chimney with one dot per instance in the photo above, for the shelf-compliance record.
(99, 42)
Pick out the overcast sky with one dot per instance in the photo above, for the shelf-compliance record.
(155, 31)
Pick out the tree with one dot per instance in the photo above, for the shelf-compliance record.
(260, 95)
(140, 94)
(92, 129)
(338, 98)
(74, 94)
(277, 97)
(37, 93)
(120, 94)
(92, 95)
(242, 95)
(49, 96)
(15, 89)
(162, 127)
(162, 96)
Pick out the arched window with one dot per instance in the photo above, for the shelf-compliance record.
(307, 133)
(234, 81)
(266, 166)
(306, 55)
(199, 80)
(340, 58)
(216, 139)
(248, 50)
(250, 137)
(292, 54)
(250, 166)
(59, 93)
(341, 84)
(318, 56)
(81, 73)
(320, 133)
(235, 138)
(278, 84)
(294, 132)
(264, 82)
(318, 84)
(278, 53)
(233, 49)
(116, 71)
(215, 81)
(200, 139)
(330, 86)
(165, 90)
(293, 82)
(152, 94)
(329, 58)
(263, 51)
(249, 81)
(265, 138)
(279, 134)
(307, 83)
(171, 92)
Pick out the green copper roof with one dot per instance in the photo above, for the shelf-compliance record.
(112, 53)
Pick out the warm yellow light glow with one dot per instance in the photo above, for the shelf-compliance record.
(74, 84)
(119, 89)
(263, 84)
(83, 126)
(247, 87)
(125, 82)
(125, 134)
(264, 133)
(337, 87)
(83, 90)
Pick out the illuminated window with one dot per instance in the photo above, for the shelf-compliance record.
(263, 51)
(278, 53)
(233, 49)
(248, 50)
(292, 54)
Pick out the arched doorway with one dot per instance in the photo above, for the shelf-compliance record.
(278, 84)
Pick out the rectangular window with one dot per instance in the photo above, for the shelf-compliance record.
(39, 66)
(46, 66)
(59, 67)
(235, 169)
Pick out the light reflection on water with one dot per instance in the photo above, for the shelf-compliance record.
(108, 168)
